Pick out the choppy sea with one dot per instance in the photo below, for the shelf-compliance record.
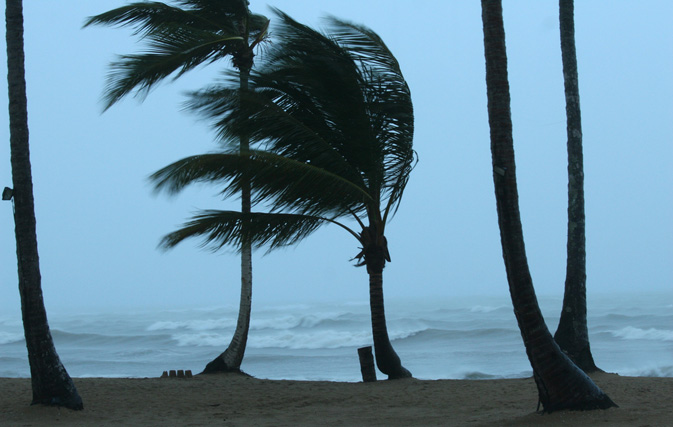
(472, 338)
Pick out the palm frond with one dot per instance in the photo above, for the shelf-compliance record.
(365, 46)
(271, 121)
(394, 192)
(347, 88)
(178, 40)
(176, 52)
(258, 27)
(217, 7)
(389, 97)
(150, 17)
(390, 105)
(220, 229)
(338, 102)
(282, 183)
(306, 104)
(331, 121)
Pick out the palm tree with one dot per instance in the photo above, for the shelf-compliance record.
(50, 381)
(332, 122)
(572, 334)
(560, 383)
(180, 39)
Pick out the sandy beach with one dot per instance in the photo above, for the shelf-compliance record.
(236, 400)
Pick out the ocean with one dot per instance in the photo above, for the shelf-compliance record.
(459, 338)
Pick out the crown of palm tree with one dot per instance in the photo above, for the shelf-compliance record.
(331, 120)
(178, 39)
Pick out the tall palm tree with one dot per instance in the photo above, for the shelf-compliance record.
(179, 39)
(560, 383)
(332, 122)
(50, 381)
(572, 334)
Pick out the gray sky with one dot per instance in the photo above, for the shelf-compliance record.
(99, 223)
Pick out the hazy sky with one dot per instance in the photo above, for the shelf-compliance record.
(99, 222)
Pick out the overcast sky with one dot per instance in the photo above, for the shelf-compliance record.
(99, 222)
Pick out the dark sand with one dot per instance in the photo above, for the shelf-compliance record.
(236, 400)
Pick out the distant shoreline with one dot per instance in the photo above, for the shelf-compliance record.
(230, 399)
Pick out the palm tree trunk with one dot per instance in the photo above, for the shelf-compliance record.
(50, 382)
(230, 360)
(387, 359)
(572, 334)
(560, 384)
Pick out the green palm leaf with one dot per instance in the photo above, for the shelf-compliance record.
(282, 183)
(178, 40)
(146, 17)
(390, 103)
(331, 122)
(337, 101)
(226, 228)
(174, 53)
(266, 120)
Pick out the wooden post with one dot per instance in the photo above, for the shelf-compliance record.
(367, 364)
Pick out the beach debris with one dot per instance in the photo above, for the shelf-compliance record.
(367, 364)
(177, 374)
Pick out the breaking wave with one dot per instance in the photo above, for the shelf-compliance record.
(631, 333)
(475, 339)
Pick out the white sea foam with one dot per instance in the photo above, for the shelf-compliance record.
(311, 340)
(8, 337)
(483, 309)
(631, 333)
(193, 325)
(165, 326)
(289, 321)
(278, 323)
(201, 339)
(283, 340)
(653, 371)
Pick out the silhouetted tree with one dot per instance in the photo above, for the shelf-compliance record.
(179, 39)
(333, 117)
(560, 383)
(572, 334)
(50, 381)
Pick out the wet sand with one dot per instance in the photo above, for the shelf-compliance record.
(236, 400)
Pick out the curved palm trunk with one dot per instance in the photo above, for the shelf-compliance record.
(387, 359)
(230, 360)
(375, 253)
(50, 382)
(560, 383)
(572, 334)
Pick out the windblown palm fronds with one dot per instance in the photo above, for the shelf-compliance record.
(178, 39)
(330, 118)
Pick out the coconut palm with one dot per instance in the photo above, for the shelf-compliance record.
(180, 38)
(560, 383)
(50, 381)
(331, 119)
(572, 334)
